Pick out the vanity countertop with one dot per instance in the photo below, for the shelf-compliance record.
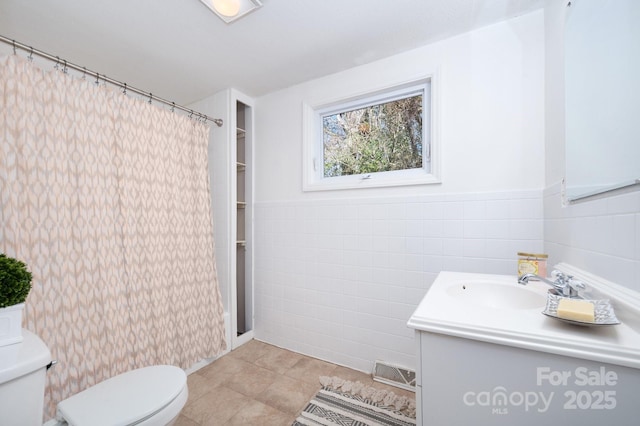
(518, 322)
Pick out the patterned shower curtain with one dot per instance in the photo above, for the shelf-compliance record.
(106, 198)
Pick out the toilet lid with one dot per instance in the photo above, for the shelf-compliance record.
(124, 399)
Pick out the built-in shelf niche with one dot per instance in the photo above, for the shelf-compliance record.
(243, 192)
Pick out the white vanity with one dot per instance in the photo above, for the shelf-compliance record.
(488, 356)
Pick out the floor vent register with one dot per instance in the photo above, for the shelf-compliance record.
(394, 375)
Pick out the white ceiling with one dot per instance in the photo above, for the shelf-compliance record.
(179, 50)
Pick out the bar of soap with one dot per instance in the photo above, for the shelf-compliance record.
(576, 309)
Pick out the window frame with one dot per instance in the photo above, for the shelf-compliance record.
(313, 148)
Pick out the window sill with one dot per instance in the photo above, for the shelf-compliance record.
(374, 180)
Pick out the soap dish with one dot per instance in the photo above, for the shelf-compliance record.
(604, 314)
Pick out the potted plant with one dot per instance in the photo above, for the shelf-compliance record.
(15, 284)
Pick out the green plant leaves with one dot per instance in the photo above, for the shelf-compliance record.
(15, 281)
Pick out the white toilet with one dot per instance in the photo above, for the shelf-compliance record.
(147, 396)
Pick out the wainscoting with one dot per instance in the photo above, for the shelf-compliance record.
(338, 279)
(600, 235)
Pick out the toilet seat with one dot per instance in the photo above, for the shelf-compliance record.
(130, 398)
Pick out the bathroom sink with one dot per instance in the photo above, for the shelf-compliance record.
(496, 295)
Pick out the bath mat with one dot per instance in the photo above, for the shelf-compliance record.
(341, 402)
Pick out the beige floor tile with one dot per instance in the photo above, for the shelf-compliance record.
(310, 369)
(250, 351)
(185, 421)
(261, 384)
(251, 381)
(199, 385)
(288, 395)
(215, 407)
(223, 368)
(257, 413)
(277, 359)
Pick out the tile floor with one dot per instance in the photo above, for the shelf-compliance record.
(260, 384)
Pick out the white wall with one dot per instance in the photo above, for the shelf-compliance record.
(600, 235)
(491, 108)
(339, 273)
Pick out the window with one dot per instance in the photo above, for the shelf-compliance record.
(381, 139)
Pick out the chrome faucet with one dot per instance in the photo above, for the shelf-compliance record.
(565, 285)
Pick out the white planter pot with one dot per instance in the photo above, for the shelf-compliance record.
(11, 324)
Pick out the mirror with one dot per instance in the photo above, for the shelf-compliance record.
(602, 96)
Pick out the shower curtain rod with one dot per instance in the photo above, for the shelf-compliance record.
(124, 86)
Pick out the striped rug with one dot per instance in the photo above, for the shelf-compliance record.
(337, 407)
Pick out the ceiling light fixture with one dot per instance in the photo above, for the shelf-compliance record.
(230, 10)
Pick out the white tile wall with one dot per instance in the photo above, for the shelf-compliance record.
(339, 279)
(601, 235)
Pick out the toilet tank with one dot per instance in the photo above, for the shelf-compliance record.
(22, 380)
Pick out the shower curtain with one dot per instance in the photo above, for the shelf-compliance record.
(106, 198)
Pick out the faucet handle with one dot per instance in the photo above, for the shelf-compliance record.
(576, 284)
(571, 286)
(560, 276)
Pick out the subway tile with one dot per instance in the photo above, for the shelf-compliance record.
(397, 227)
(530, 208)
(397, 211)
(526, 229)
(413, 279)
(402, 311)
(365, 212)
(381, 227)
(433, 263)
(474, 229)
(637, 253)
(379, 211)
(452, 247)
(623, 204)
(528, 246)
(385, 275)
(453, 210)
(397, 261)
(624, 227)
(380, 243)
(474, 210)
(398, 244)
(452, 263)
(501, 267)
(413, 262)
(452, 228)
(433, 246)
(415, 211)
(350, 242)
(433, 211)
(350, 212)
(365, 227)
(497, 229)
(414, 245)
(602, 234)
(474, 248)
(432, 228)
(475, 265)
(416, 228)
(498, 209)
(497, 249)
